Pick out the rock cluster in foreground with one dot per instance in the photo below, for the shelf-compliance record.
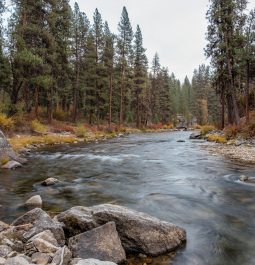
(99, 235)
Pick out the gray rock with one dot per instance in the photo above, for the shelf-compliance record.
(3, 226)
(195, 135)
(5, 251)
(41, 258)
(181, 141)
(11, 165)
(93, 262)
(40, 221)
(47, 236)
(244, 178)
(6, 151)
(34, 201)
(2, 261)
(62, 256)
(140, 232)
(44, 246)
(17, 261)
(50, 182)
(77, 220)
(101, 243)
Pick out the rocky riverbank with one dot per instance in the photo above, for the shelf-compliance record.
(99, 235)
(238, 149)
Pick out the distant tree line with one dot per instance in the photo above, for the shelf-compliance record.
(57, 64)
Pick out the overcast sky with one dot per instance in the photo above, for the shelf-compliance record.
(173, 28)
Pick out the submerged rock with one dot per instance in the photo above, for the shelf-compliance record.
(34, 201)
(40, 221)
(244, 178)
(50, 182)
(181, 141)
(139, 232)
(101, 243)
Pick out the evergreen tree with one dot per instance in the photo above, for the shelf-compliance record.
(98, 32)
(156, 69)
(226, 21)
(80, 29)
(140, 75)
(124, 49)
(108, 62)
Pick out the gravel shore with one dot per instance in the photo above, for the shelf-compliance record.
(242, 153)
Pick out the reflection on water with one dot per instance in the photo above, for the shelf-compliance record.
(177, 182)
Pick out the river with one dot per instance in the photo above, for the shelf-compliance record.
(177, 182)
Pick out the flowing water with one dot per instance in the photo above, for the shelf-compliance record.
(177, 182)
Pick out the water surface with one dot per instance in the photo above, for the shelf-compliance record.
(178, 182)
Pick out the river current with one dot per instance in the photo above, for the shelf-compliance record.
(177, 182)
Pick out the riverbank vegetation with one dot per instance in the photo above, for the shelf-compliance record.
(62, 71)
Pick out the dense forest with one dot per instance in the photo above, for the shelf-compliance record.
(56, 64)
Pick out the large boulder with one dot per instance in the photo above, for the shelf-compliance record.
(140, 232)
(6, 151)
(101, 243)
(40, 221)
(77, 220)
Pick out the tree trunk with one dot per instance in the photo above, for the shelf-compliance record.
(36, 101)
(121, 95)
(222, 109)
(247, 92)
(50, 107)
(110, 100)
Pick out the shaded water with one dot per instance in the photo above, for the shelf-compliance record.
(177, 182)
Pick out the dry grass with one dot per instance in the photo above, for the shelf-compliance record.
(5, 122)
(20, 142)
(217, 139)
(38, 127)
(206, 129)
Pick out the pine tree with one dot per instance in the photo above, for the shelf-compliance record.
(140, 75)
(5, 71)
(156, 69)
(98, 33)
(124, 49)
(226, 20)
(248, 57)
(28, 49)
(90, 79)
(80, 29)
(108, 62)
